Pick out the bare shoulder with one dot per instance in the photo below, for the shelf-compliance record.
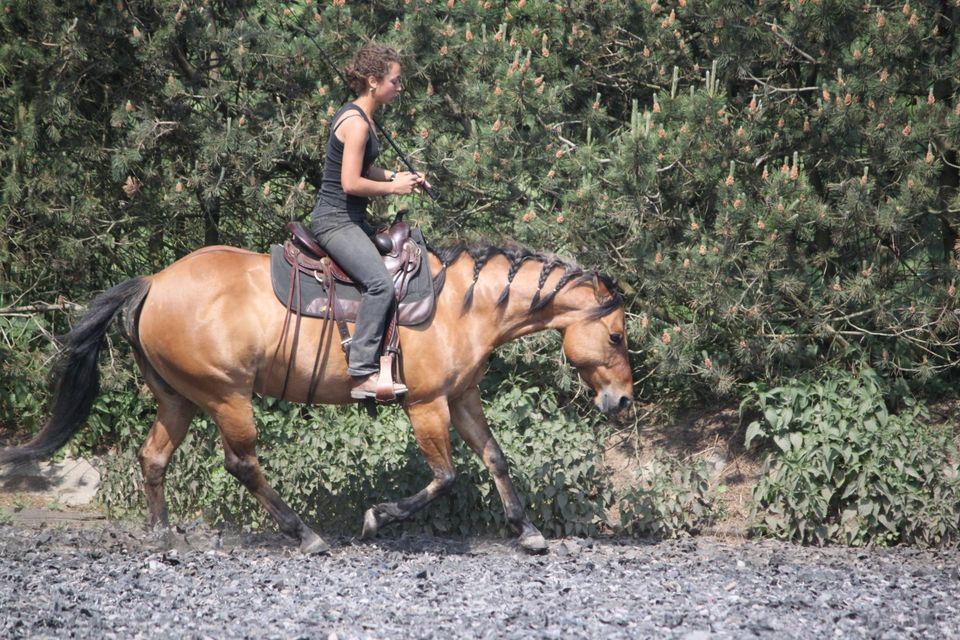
(353, 128)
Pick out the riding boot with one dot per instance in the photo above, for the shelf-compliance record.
(364, 388)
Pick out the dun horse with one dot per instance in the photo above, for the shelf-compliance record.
(205, 331)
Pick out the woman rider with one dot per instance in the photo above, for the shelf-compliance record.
(338, 219)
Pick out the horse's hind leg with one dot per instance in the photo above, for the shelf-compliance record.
(239, 436)
(470, 423)
(174, 413)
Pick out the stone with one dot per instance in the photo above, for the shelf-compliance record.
(72, 482)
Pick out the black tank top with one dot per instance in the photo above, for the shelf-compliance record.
(331, 200)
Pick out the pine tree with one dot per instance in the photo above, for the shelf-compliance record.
(774, 184)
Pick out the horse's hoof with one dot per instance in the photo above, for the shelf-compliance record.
(370, 525)
(312, 544)
(533, 543)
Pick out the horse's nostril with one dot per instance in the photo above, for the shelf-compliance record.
(625, 402)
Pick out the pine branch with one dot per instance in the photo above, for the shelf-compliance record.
(31, 309)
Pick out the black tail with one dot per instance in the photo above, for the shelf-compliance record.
(76, 379)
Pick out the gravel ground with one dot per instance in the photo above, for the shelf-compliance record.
(113, 581)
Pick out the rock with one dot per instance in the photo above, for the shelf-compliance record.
(568, 547)
(72, 482)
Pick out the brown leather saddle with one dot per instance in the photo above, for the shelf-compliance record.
(337, 297)
(385, 241)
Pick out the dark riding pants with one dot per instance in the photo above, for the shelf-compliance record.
(353, 250)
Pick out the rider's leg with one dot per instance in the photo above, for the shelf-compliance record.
(354, 251)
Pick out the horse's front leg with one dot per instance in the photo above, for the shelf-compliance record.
(431, 428)
(470, 423)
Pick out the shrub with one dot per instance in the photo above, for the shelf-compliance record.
(844, 468)
(672, 498)
(24, 362)
(766, 206)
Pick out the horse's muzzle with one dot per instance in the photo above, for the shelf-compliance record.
(612, 403)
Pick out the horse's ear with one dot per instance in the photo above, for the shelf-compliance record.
(596, 288)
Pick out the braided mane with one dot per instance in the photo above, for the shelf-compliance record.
(516, 256)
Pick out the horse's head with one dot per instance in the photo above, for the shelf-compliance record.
(596, 345)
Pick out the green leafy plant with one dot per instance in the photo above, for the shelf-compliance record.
(20, 502)
(765, 207)
(844, 468)
(671, 498)
(24, 360)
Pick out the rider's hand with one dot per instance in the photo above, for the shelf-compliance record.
(423, 181)
(408, 182)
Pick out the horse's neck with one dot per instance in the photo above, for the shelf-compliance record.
(514, 319)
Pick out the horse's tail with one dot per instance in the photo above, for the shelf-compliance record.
(76, 380)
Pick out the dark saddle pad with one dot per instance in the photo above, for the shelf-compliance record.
(406, 261)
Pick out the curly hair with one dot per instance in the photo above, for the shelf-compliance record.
(371, 59)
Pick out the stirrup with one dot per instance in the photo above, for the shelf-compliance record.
(399, 389)
(381, 387)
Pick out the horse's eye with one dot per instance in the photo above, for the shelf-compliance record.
(616, 338)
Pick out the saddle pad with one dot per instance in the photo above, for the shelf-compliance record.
(415, 307)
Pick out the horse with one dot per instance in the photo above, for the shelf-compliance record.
(207, 333)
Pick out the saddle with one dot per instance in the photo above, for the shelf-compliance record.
(337, 297)
(401, 255)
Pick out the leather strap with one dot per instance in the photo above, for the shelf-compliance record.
(327, 282)
(293, 293)
(333, 306)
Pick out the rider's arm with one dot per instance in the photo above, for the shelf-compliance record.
(381, 175)
(378, 182)
(355, 132)
(376, 173)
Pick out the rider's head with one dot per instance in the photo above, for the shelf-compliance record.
(374, 68)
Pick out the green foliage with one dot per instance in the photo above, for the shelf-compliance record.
(671, 498)
(557, 456)
(774, 185)
(123, 407)
(846, 469)
(23, 356)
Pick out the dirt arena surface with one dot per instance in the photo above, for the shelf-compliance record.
(100, 579)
